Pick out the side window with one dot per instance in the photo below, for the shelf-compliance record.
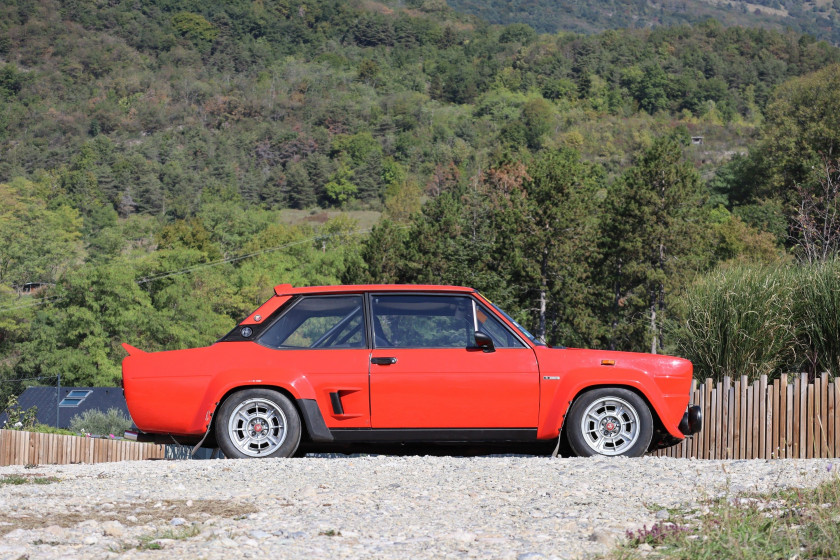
(489, 324)
(408, 321)
(319, 322)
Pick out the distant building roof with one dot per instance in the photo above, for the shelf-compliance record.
(74, 401)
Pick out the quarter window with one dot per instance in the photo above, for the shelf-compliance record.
(319, 322)
(489, 324)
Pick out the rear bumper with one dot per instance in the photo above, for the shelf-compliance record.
(161, 439)
(692, 421)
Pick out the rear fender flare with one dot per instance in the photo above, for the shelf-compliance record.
(217, 392)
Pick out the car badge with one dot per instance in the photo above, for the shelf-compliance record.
(246, 332)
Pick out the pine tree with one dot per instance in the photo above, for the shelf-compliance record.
(654, 236)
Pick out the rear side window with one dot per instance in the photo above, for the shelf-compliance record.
(319, 322)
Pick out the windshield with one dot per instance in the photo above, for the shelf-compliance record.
(522, 329)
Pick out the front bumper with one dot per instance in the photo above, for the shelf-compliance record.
(692, 421)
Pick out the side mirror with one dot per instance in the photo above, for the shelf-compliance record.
(483, 341)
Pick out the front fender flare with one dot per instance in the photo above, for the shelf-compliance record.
(557, 400)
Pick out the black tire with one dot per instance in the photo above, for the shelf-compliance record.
(258, 423)
(609, 421)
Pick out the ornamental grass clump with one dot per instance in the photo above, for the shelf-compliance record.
(817, 306)
(739, 321)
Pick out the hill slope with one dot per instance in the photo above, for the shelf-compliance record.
(818, 18)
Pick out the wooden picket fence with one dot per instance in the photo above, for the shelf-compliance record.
(31, 448)
(782, 419)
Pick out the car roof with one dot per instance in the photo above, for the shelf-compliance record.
(289, 290)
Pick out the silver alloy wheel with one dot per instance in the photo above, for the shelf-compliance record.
(257, 427)
(610, 426)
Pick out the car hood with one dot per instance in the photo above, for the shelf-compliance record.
(655, 365)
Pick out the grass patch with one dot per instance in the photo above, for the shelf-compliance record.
(330, 533)
(792, 523)
(152, 542)
(16, 479)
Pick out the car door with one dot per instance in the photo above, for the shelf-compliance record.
(426, 371)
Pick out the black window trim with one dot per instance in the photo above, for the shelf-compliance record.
(259, 329)
(470, 295)
(289, 305)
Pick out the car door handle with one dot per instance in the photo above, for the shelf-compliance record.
(383, 361)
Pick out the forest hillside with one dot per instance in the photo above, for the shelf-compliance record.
(163, 165)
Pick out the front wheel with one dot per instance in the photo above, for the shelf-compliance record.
(258, 423)
(609, 421)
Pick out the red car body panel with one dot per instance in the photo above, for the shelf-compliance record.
(460, 389)
(664, 381)
(177, 392)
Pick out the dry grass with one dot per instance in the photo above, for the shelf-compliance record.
(793, 523)
(127, 513)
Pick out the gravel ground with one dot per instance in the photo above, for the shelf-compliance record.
(371, 507)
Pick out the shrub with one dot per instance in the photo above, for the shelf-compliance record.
(754, 320)
(739, 321)
(17, 418)
(96, 422)
(44, 429)
(817, 292)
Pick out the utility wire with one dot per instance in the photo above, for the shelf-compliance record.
(28, 379)
(31, 304)
(247, 256)
(191, 269)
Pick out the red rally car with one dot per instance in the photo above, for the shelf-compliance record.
(398, 364)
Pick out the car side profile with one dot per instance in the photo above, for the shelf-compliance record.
(399, 364)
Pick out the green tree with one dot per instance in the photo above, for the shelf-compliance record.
(195, 28)
(536, 115)
(655, 236)
(555, 214)
(340, 190)
(802, 126)
(39, 243)
(77, 334)
(786, 170)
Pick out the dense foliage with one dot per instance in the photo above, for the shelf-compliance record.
(150, 159)
(97, 422)
(819, 19)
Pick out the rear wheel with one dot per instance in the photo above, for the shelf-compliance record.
(609, 421)
(258, 423)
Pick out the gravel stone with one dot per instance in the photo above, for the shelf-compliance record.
(113, 528)
(380, 507)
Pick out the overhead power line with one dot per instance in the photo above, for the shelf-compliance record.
(195, 268)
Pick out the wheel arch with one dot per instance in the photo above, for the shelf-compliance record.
(636, 391)
(657, 421)
(313, 425)
(555, 418)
